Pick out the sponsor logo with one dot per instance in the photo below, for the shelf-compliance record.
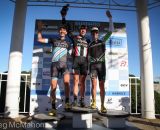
(125, 100)
(36, 84)
(109, 101)
(124, 85)
(123, 63)
(36, 62)
(116, 42)
(79, 23)
(118, 93)
(46, 73)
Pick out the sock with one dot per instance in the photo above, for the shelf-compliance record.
(53, 105)
(82, 99)
(75, 98)
(93, 100)
(67, 100)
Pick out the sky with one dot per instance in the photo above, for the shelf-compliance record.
(51, 13)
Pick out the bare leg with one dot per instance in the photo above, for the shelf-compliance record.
(94, 89)
(53, 92)
(66, 84)
(102, 92)
(75, 86)
(82, 85)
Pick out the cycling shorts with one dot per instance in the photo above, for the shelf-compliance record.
(80, 65)
(58, 69)
(98, 70)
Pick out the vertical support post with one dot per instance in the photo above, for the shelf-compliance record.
(147, 88)
(15, 60)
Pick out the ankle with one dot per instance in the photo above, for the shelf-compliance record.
(67, 100)
(94, 100)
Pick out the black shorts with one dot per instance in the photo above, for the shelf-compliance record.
(58, 69)
(80, 65)
(98, 70)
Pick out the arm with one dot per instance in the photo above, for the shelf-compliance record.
(41, 39)
(63, 14)
(111, 26)
(39, 34)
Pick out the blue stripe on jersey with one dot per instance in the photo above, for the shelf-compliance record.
(58, 57)
(63, 53)
(56, 49)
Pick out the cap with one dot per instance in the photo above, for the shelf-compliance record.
(83, 27)
(94, 29)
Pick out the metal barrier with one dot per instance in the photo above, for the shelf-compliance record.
(24, 92)
(135, 96)
(134, 86)
(134, 83)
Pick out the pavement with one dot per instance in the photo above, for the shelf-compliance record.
(132, 123)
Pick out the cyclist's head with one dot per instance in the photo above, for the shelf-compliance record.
(63, 30)
(95, 32)
(83, 30)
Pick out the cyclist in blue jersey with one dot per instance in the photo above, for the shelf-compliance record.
(59, 65)
(97, 63)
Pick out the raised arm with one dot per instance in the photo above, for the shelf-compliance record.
(64, 22)
(39, 33)
(111, 26)
(64, 13)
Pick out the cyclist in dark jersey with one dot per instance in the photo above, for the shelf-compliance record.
(80, 63)
(59, 65)
(97, 63)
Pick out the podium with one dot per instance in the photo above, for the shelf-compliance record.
(114, 118)
(82, 117)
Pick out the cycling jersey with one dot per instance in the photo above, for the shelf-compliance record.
(60, 49)
(97, 58)
(97, 52)
(80, 46)
(80, 53)
(80, 43)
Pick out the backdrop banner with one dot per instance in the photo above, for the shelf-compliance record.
(117, 77)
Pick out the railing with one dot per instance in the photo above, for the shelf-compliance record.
(24, 92)
(134, 86)
(134, 83)
(135, 94)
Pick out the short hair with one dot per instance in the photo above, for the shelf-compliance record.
(83, 27)
(63, 26)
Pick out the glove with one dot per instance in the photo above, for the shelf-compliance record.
(64, 10)
(108, 14)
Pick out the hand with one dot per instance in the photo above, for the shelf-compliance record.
(108, 14)
(39, 26)
(64, 10)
